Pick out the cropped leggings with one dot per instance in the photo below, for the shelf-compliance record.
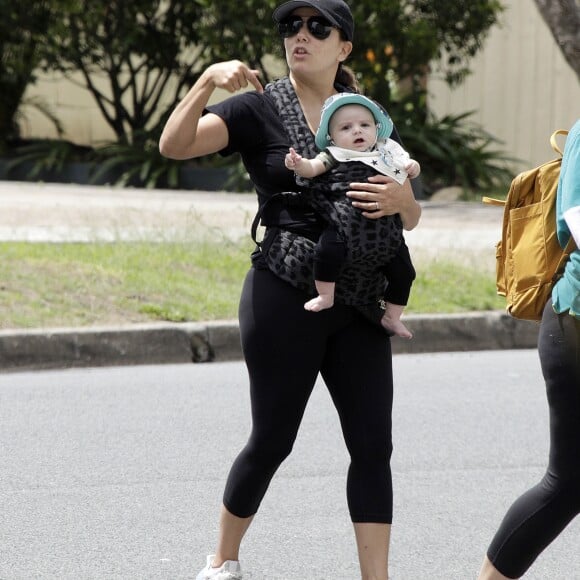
(540, 514)
(285, 347)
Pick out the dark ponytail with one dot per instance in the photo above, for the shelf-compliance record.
(345, 76)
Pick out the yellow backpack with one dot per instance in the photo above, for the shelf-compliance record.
(529, 258)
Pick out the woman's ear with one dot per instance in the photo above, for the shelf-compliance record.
(345, 50)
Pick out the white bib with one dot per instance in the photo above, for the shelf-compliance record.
(388, 158)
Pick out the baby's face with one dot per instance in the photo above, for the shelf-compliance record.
(353, 127)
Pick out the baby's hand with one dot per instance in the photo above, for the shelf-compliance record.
(292, 159)
(412, 168)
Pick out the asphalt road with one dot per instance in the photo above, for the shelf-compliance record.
(117, 473)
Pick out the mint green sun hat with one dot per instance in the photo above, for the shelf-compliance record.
(382, 119)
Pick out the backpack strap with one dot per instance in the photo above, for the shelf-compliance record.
(555, 146)
(493, 201)
(571, 245)
(554, 141)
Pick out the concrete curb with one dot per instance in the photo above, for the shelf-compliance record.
(220, 341)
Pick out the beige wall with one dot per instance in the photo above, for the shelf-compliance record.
(72, 105)
(521, 88)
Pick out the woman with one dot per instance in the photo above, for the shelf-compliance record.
(284, 346)
(540, 514)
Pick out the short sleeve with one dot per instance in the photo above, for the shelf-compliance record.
(241, 114)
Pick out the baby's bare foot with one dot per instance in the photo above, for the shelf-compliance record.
(319, 303)
(395, 327)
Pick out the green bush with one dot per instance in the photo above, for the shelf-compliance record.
(452, 151)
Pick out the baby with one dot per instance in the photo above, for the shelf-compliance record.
(353, 128)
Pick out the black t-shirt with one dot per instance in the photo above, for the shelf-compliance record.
(255, 131)
(257, 134)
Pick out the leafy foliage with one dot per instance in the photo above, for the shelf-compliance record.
(453, 151)
(141, 166)
(397, 41)
(136, 58)
(23, 27)
(148, 53)
(45, 156)
(139, 58)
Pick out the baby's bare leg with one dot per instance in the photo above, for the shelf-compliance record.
(325, 298)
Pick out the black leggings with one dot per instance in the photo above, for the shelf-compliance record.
(285, 347)
(540, 514)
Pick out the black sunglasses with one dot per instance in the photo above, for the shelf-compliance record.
(318, 26)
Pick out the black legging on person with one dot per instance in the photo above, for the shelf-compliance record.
(285, 347)
(540, 514)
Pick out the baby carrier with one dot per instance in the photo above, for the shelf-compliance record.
(369, 243)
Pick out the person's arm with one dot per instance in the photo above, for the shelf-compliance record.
(188, 133)
(383, 196)
(307, 168)
(572, 217)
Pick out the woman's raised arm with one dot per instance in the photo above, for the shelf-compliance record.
(187, 133)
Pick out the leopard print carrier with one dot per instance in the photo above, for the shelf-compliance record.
(370, 244)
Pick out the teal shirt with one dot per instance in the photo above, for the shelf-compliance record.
(566, 292)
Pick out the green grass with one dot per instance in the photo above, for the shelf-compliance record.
(83, 284)
(448, 287)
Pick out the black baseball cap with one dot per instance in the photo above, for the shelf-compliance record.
(336, 11)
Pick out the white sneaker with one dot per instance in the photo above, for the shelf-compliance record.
(229, 570)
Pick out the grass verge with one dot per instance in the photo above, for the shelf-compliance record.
(44, 285)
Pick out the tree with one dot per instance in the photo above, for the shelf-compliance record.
(138, 58)
(397, 42)
(563, 20)
(147, 53)
(22, 28)
(128, 55)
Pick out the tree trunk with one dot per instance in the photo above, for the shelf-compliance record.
(563, 20)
